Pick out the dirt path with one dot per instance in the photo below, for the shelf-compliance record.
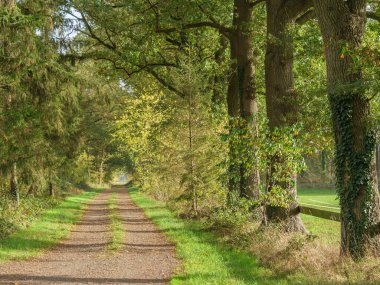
(146, 258)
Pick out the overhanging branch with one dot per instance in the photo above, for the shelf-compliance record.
(373, 16)
(306, 17)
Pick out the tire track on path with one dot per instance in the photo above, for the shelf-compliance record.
(147, 257)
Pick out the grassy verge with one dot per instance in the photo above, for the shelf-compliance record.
(46, 230)
(205, 260)
(116, 225)
(328, 231)
(324, 199)
(208, 258)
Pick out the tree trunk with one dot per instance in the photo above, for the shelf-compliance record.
(323, 162)
(242, 101)
(233, 104)
(51, 189)
(378, 164)
(281, 98)
(343, 25)
(101, 169)
(14, 190)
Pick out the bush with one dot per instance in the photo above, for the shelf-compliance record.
(13, 218)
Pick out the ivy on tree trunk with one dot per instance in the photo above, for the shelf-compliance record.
(343, 25)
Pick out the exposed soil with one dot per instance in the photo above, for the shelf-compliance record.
(147, 256)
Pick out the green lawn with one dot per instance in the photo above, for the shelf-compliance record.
(206, 260)
(46, 230)
(324, 199)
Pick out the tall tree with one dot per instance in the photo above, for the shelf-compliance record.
(281, 97)
(242, 97)
(342, 24)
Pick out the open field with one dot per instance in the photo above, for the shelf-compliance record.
(324, 199)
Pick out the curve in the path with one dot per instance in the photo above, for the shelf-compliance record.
(147, 256)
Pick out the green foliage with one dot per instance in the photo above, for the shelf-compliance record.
(278, 153)
(206, 259)
(236, 215)
(173, 142)
(284, 156)
(13, 218)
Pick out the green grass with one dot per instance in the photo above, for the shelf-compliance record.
(205, 260)
(324, 199)
(46, 230)
(116, 226)
(328, 231)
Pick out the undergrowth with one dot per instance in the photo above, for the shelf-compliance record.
(45, 230)
(13, 218)
(303, 259)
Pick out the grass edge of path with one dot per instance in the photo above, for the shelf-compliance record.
(47, 230)
(116, 226)
(205, 259)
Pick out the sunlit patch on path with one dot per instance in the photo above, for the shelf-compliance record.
(146, 257)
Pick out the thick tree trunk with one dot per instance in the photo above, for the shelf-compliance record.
(247, 89)
(343, 25)
(281, 97)
(233, 104)
(242, 101)
(378, 164)
(14, 190)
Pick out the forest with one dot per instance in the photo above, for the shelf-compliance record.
(249, 126)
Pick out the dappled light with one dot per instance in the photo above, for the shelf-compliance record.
(189, 142)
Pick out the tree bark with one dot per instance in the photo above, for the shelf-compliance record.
(342, 24)
(51, 189)
(241, 99)
(101, 168)
(281, 97)
(378, 164)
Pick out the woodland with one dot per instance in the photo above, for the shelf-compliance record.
(212, 107)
